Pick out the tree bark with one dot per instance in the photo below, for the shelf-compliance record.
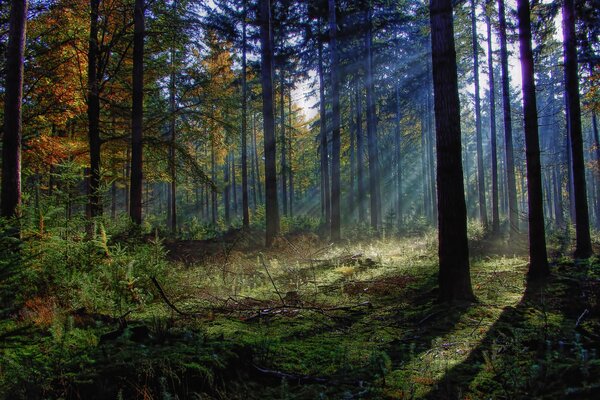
(172, 153)
(93, 111)
(282, 140)
(454, 276)
(538, 260)
(137, 114)
(245, 200)
(335, 128)
(360, 156)
(493, 139)
(372, 146)
(583, 248)
(271, 208)
(13, 96)
(324, 146)
(509, 163)
(478, 134)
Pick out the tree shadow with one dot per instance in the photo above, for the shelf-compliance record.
(499, 363)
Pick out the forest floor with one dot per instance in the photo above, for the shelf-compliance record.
(312, 320)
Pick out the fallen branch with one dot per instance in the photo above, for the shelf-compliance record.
(291, 377)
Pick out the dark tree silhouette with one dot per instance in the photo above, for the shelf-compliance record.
(454, 276)
(493, 140)
(93, 111)
(13, 95)
(538, 259)
(583, 247)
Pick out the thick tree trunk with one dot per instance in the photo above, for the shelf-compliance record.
(10, 201)
(324, 145)
(493, 139)
(597, 175)
(360, 156)
(454, 276)
(137, 114)
(478, 134)
(271, 208)
(372, 146)
(538, 259)
(335, 126)
(583, 247)
(245, 200)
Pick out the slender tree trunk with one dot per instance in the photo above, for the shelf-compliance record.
(127, 177)
(454, 276)
(245, 212)
(324, 146)
(254, 165)
(372, 145)
(172, 127)
(493, 139)
(272, 212)
(478, 133)
(137, 114)
(93, 111)
(360, 156)
(509, 163)
(282, 140)
(289, 158)
(597, 147)
(352, 189)
(431, 157)
(398, 156)
(234, 185)
(424, 174)
(226, 189)
(213, 194)
(583, 247)
(258, 179)
(336, 126)
(538, 259)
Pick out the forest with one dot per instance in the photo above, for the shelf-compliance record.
(300, 199)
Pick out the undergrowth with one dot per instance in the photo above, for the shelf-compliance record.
(104, 311)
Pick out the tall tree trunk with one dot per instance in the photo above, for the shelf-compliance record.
(372, 145)
(13, 95)
(137, 114)
(398, 156)
(234, 185)
(289, 158)
(478, 134)
(93, 111)
(538, 260)
(172, 154)
(430, 152)
(493, 139)
(583, 247)
(597, 147)
(324, 145)
(454, 276)
(282, 140)
(226, 189)
(254, 165)
(360, 156)
(351, 186)
(213, 193)
(245, 212)
(335, 126)
(271, 208)
(509, 163)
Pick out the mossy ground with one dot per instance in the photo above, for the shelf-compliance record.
(307, 319)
